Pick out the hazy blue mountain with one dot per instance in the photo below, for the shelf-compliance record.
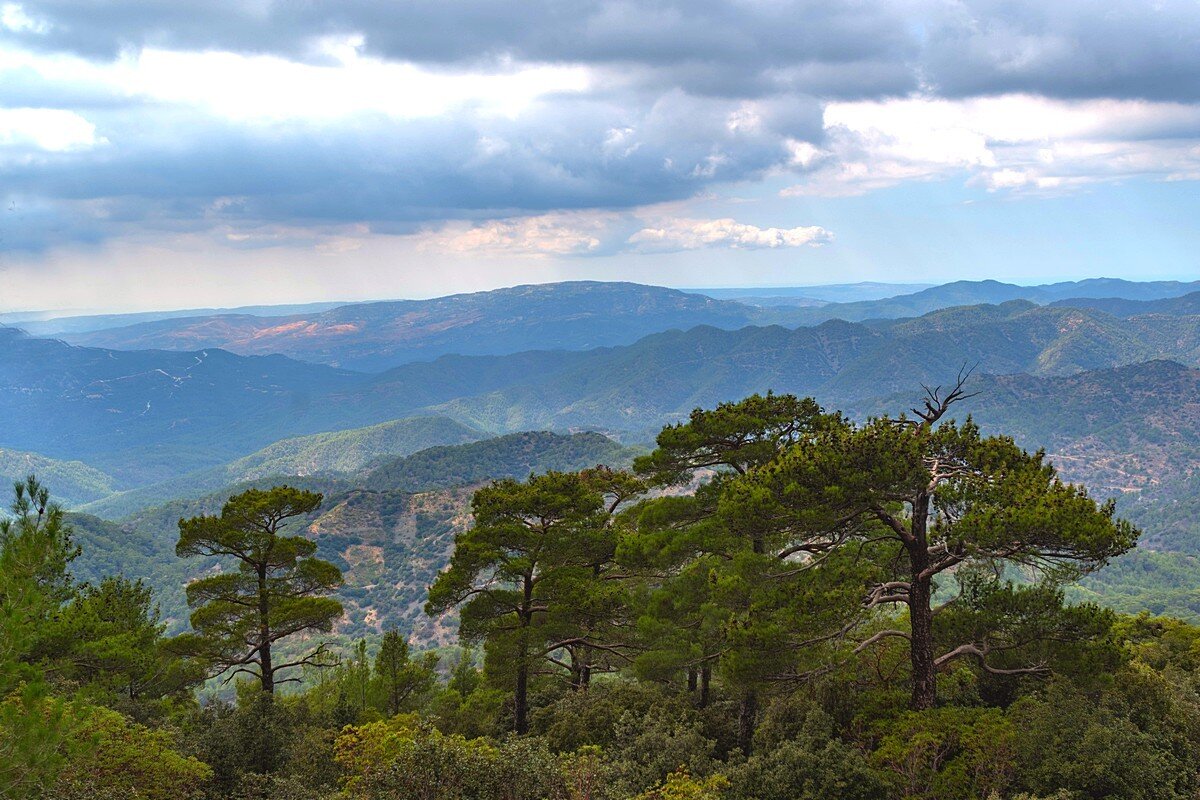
(1116, 287)
(151, 416)
(376, 336)
(633, 390)
(922, 300)
(1185, 305)
(55, 323)
(964, 293)
(332, 454)
(144, 415)
(830, 293)
(563, 316)
(72, 482)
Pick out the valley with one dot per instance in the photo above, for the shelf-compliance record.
(132, 440)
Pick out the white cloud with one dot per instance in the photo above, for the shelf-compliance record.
(1012, 142)
(255, 87)
(47, 129)
(564, 233)
(249, 88)
(654, 230)
(14, 18)
(692, 234)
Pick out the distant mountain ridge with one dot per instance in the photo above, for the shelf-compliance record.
(333, 454)
(967, 293)
(576, 315)
(149, 416)
(51, 323)
(375, 336)
(72, 482)
(846, 365)
(1184, 305)
(817, 294)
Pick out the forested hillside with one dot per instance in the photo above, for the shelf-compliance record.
(736, 616)
(706, 609)
(389, 526)
(337, 453)
(151, 416)
(75, 482)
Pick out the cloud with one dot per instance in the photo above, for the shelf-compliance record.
(543, 235)
(1127, 49)
(165, 164)
(44, 129)
(597, 233)
(249, 121)
(1012, 142)
(693, 234)
(840, 49)
(706, 46)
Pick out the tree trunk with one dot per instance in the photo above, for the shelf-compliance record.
(920, 613)
(748, 707)
(691, 680)
(576, 670)
(266, 749)
(266, 671)
(521, 695)
(924, 676)
(520, 704)
(705, 676)
(585, 676)
(747, 712)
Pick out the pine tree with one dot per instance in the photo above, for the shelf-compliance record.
(714, 591)
(522, 573)
(401, 678)
(942, 500)
(277, 590)
(35, 551)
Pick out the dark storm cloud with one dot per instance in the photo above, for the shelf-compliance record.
(831, 48)
(663, 118)
(716, 46)
(174, 169)
(1077, 49)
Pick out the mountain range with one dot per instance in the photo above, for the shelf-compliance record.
(1129, 431)
(373, 337)
(136, 438)
(144, 417)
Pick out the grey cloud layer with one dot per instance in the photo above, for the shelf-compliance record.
(711, 46)
(672, 74)
(168, 168)
(832, 48)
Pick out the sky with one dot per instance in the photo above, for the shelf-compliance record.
(231, 152)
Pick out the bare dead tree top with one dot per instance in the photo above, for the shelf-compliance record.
(936, 404)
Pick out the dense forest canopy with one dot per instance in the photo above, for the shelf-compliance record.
(775, 602)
